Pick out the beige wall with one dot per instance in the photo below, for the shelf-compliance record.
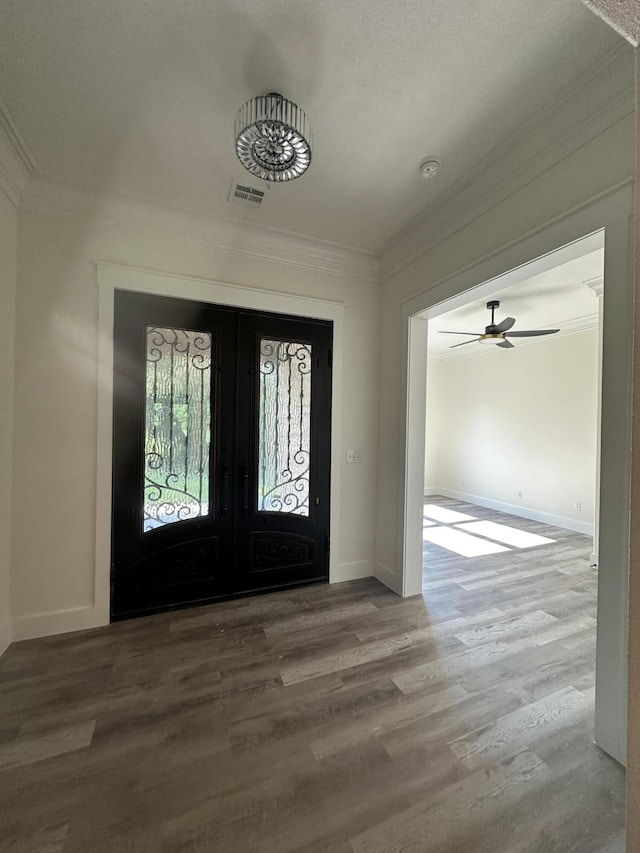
(518, 420)
(8, 251)
(56, 393)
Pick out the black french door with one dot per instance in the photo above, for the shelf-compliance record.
(221, 452)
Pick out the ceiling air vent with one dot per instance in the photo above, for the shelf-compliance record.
(246, 194)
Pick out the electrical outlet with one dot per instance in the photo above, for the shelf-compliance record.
(462, 482)
(354, 456)
(578, 506)
(520, 493)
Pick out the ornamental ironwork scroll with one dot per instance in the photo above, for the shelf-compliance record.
(177, 426)
(284, 428)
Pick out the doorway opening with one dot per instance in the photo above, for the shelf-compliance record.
(608, 214)
(511, 518)
(515, 428)
(512, 453)
(512, 461)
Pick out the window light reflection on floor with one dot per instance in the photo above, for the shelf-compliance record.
(444, 515)
(504, 533)
(461, 543)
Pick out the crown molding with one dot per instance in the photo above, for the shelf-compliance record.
(16, 162)
(49, 196)
(602, 97)
(622, 15)
(596, 284)
(568, 327)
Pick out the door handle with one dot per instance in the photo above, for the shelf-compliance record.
(224, 509)
(245, 489)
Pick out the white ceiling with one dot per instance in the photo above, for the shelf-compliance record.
(139, 96)
(558, 298)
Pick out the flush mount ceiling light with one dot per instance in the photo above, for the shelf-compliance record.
(273, 138)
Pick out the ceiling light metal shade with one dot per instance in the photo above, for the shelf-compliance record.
(273, 138)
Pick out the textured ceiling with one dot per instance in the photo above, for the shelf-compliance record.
(140, 97)
(558, 298)
(622, 15)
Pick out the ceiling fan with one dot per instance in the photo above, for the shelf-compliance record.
(499, 333)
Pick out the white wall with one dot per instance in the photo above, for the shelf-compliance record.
(435, 440)
(8, 252)
(633, 765)
(519, 420)
(548, 205)
(593, 169)
(56, 396)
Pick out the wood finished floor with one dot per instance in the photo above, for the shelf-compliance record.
(326, 720)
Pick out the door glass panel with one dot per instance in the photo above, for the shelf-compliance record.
(284, 429)
(177, 426)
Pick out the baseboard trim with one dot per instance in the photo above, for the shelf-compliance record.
(388, 577)
(5, 637)
(57, 622)
(431, 490)
(522, 511)
(353, 571)
(82, 618)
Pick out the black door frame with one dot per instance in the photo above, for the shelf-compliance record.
(116, 276)
(251, 327)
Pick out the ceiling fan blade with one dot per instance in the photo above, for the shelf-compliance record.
(506, 344)
(532, 333)
(474, 341)
(505, 325)
(475, 334)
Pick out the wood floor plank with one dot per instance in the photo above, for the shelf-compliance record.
(51, 840)
(445, 622)
(519, 728)
(329, 719)
(388, 718)
(308, 621)
(27, 750)
(506, 628)
(433, 826)
(354, 656)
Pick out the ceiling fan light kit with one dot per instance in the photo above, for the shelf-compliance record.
(499, 333)
(273, 138)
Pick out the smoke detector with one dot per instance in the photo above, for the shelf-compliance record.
(429, 167)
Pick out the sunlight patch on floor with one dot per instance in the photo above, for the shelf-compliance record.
(461, 543)
(446, 516)
(504, 533)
